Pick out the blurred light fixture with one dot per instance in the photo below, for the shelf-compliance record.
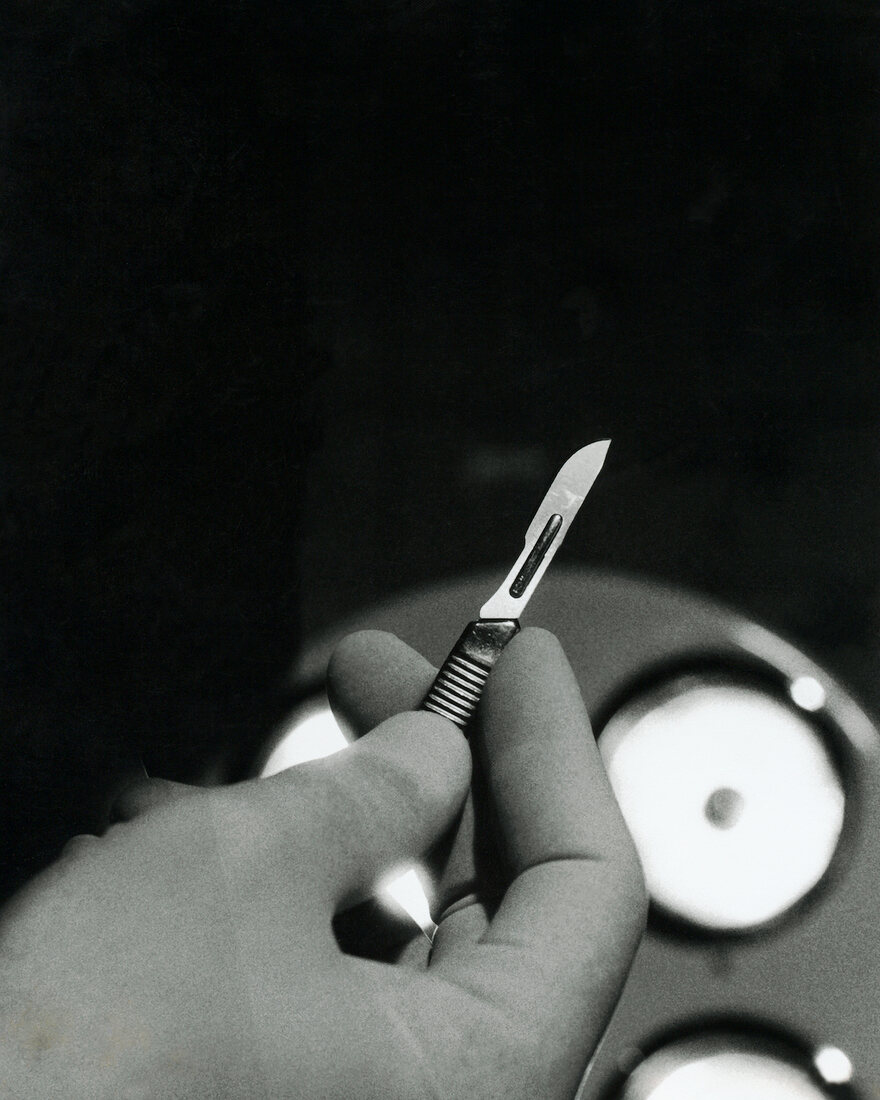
(833, 1065)
(721, 1067)
(312, 732)
(807, 693)
(731, 796)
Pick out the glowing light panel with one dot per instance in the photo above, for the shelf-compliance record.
(697, 1069)
(833, 1065)
(731, 798)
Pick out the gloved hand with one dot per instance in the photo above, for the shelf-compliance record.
(189, 951)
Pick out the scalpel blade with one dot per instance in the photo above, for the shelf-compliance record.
(458, 686)
(547, 530)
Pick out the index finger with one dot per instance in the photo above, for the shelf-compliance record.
(559, 947)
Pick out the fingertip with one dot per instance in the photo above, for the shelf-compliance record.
(361, 651)
(540, 642)
(532, 672)
(551, 794)
(430, 747)
(452, 748)
(373, 675)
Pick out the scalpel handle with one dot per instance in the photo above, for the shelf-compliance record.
(459, 684)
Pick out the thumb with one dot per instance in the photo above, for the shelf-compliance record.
(380, 802)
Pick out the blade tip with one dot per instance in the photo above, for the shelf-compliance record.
(600, 446)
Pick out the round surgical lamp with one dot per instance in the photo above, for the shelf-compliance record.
(731, 794)
(736, 1063)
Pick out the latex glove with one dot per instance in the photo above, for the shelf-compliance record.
(541, 900)
(189, 951)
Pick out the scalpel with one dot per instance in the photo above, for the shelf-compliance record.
(459, 684)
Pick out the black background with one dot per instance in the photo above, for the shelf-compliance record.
(536, 225)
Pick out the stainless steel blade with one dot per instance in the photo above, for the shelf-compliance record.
(547, 530)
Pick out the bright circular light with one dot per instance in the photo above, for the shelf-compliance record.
(731, 797)
(807, 693)
(720, 1068)
(312, 732)
(833, 1065)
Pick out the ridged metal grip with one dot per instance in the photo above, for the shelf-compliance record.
(459, 684)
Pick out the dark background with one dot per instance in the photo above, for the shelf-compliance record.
(540, 224)
(302, 305)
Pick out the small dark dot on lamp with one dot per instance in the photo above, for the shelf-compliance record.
(724, 807)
